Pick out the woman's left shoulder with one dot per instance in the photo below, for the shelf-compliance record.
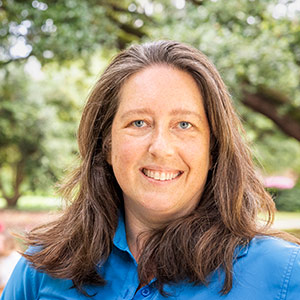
(272, 245)
(273, 251)
(267, 251)
(272, 263)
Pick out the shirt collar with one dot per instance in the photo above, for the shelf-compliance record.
(241, 250)
(120, 240)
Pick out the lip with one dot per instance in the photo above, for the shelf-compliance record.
(161, 169)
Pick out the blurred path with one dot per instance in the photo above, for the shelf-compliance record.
(16, 220)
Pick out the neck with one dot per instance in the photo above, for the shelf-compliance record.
(134, 225)
(137, 222)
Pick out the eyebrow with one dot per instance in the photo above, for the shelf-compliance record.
(137, 111)
(149, 111)
(181, 111)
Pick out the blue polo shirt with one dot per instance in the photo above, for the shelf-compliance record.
(267, 269)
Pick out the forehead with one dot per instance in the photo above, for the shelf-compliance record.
(161, 85)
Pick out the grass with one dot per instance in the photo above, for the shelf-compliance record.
(36, 203)
(288, 216)
(295, 232)
(284, 215)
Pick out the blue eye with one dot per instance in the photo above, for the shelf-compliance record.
(185, 125)
(138, 123)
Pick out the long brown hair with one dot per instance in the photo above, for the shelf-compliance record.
(191, 247)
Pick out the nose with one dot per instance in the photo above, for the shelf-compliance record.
(161, 143)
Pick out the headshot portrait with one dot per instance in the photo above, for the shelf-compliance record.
(166, 202)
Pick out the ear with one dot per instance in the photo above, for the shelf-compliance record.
(108, 157)
(210, 161)
(106, 149)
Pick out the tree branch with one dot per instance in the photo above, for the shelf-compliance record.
(268, 107)
(4, 63)
(196, 2)
(127, 28)
(120, 9)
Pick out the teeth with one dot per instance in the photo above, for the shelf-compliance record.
(162, 176)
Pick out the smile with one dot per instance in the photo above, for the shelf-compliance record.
(161, 176)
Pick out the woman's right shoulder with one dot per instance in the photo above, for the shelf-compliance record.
(27, 283)
(22, 282)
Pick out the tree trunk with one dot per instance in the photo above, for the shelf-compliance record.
(12, 201)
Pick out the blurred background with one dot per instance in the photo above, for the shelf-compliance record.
(52, 52)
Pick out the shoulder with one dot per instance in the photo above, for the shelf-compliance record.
(270, 264)
(7, 265)
(20, 285)
(26, 283)
(272, 252)
(272, 244)
(272, 247)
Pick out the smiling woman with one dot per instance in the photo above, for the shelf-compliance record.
(165, 202)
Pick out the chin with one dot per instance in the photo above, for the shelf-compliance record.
(165, 213)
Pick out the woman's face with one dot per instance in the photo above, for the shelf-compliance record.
(160, 143)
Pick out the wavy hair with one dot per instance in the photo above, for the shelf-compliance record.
(189, 248)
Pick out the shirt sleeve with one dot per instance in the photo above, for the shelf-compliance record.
(22, 284)
(293, 289)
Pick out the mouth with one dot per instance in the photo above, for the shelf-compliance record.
(161, 175)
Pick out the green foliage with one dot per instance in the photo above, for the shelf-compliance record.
(65, 29)
(37, 133)
(41, 115)
(21, 129)
(287, 200)
(273, 151)
(242, 38)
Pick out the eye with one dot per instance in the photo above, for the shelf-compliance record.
(185, 125)
(138, 123)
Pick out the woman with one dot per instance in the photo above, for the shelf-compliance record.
(165, 201)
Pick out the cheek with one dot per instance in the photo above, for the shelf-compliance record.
(125, 158)
(197, 153)
(197, 157)
(124, 153)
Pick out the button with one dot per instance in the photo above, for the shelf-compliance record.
(145, 292)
